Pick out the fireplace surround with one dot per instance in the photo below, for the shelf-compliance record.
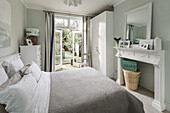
(154, 57)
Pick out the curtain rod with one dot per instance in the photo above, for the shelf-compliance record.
(65, 13)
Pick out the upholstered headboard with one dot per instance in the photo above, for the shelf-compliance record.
(9, 57)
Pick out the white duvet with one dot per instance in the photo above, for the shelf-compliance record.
(28, 95)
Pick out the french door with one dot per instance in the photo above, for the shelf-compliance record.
(77, 47)
(58, 49)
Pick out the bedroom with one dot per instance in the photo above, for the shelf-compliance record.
(25, 14)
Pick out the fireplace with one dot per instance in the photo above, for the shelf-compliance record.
(154, 57)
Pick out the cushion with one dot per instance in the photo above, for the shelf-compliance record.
(12, 67)
(23, 70)
(13, 80)
(17, 97)
(34, 70)
(3, 76)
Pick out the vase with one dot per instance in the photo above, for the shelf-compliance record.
(117, 44)
(157, 43)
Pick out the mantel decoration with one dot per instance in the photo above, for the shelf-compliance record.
(157, 43)
(117, 41)
(74, 3)
(146, 44)
(32, 34)
(29, 42)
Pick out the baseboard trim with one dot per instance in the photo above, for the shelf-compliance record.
(157, 105)
(167, 104)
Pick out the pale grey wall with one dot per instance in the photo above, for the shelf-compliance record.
(18, 23)
(36, 19)
(147, 75)
(160, 27)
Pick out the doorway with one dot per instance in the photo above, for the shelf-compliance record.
(68, 41)
(68, 49)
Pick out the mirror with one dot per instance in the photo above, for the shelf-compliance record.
(138, 24)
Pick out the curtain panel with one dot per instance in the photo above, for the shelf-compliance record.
(86, 37)
(50, 42)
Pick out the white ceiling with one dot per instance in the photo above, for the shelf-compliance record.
(88, 7)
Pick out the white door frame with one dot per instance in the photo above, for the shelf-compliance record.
(61, 59)
(75, 63)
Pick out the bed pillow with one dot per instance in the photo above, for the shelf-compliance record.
(34, 70)
(19, 96)
(3, 76)
(12, 67)
(23, 70)
(13, 80)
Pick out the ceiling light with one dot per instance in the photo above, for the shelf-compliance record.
(74, 3)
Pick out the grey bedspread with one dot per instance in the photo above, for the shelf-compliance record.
(88, 91)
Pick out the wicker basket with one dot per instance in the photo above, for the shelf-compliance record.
(131, 79)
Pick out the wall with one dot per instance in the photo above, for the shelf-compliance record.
(160, 27)
(36, 19)
(147, 76)
(18, 24)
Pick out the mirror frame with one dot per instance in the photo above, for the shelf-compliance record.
(149, 24)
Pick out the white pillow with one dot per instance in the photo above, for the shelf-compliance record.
(18, 97)
(3, 76)
(34, 70)
(12, 67)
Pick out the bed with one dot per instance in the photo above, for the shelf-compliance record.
(82, 90)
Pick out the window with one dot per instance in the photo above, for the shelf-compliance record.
(75, 23)
(68, 22)
(61, 22)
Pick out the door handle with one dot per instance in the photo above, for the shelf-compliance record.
(97, 51)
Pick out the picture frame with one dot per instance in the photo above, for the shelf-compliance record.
(127, 44)
(29, 42)
(148, 43)
(5, 24)
(121, 43)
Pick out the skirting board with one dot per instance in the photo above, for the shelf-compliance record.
(167, 104)
(157, 105)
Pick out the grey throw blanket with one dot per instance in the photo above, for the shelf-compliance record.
(88, 91)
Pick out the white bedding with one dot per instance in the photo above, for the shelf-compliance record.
(28, 95)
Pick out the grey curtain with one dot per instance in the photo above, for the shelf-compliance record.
(86, 35)
(50, 42)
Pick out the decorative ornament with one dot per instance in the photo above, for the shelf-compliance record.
(117, 41)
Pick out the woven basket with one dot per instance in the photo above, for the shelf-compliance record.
(131, 79)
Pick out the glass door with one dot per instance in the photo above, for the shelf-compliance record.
(77, 47)
(58, 47)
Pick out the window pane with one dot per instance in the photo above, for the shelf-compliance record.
(75, 23)
(61, 22)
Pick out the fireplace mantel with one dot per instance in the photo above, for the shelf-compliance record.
(154, 57)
